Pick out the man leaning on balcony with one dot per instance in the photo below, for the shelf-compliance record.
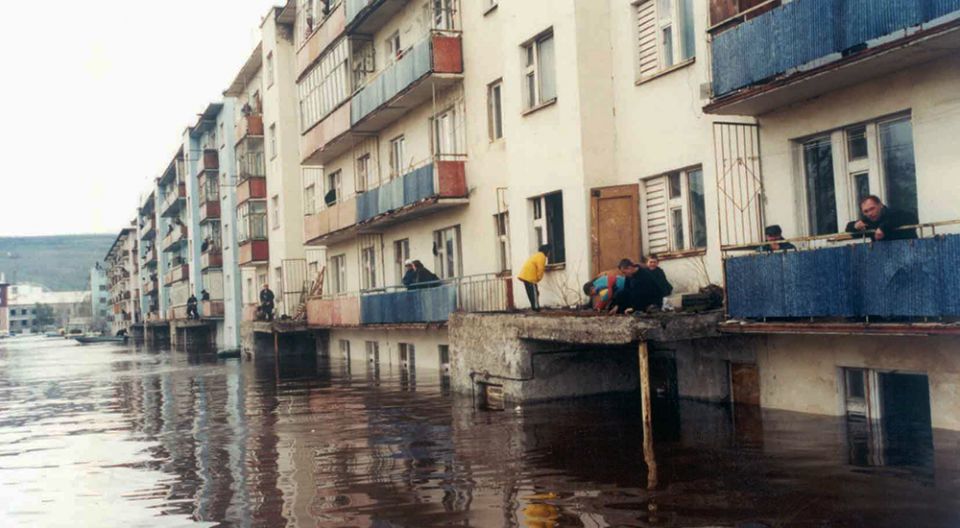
(880, 222)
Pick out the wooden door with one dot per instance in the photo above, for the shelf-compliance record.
(615, 220)
(745, 383)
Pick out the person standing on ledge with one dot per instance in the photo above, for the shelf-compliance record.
(884, 221)
(531, 273)
(266, 302)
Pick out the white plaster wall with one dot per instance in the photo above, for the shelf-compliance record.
(802, 373)
(928, 91)
(425, 342)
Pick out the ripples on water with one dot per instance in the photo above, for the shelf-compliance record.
(114, 436)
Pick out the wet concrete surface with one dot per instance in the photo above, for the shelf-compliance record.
(125, 436)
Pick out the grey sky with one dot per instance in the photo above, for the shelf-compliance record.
(97, 94)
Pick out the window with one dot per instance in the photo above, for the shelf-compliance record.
(275, 211)
(446, 243)
(373, 351)
(875, 158)
(398, 155)
(401, 252)
(408, 356)
(312, 180)
(445, 133)
(345, 348)
(273, 141)
(251, 291)
(539, 76)
(442, 14)
(211, 188)
(252, 224)
(333, 188)
(444, 352)
(393, 49)
(495, 110)
(665, 35)
(548, 225)
(674, 212)
(269, 69)
(368, 265)
(502, 225)
(366, 173)
(338, 274)
(325, 86)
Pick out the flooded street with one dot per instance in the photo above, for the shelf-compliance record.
(121, 436)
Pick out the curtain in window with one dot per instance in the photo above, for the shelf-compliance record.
(899, 168)
(821, 193)
(548, 70)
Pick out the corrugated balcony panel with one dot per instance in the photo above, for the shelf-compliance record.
(209, 210)
(211, 309)
(428, 305)
(412, 66)
(254, 251)
(902, 278)
(803, 31)
(249, 125)
(250, 189)
(330, 220)
(332, 313)
(323, 139)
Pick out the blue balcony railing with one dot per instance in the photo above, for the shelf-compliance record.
(434, 302)
(802, 31)
(414, 64)
(405, 190)
(900, 278)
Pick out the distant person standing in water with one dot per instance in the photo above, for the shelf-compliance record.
(531, 273)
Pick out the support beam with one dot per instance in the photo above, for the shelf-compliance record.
(649, 456)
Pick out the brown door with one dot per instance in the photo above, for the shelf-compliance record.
(745, 383)
(615, 217)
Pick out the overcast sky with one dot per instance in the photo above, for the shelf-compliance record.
(96, 96)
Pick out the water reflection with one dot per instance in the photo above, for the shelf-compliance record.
(173, 438)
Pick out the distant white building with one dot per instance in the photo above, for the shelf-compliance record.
(25, 301)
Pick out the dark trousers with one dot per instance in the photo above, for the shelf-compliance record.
(266, 311)
(192, 312)
(533, 294)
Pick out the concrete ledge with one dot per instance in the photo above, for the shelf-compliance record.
(280, 327)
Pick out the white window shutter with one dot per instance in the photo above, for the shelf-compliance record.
(648, 59)
(656, 235)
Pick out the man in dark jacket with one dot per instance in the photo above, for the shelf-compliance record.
(192, 312)
(882, 221)
(425, 277)
(409, 275)
(659, 277)
(266, 302)
(641, 289)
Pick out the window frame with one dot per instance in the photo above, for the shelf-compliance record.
(398, 153)
(683, 203)
(441, 237)
(495, 110)
(533, 72)
(681, 24)
(338, 274)
(501, 222)
(401, 252)
(544, 227)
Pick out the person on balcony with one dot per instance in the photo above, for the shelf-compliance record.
(774, 236)
(641, 291)
(205, 246)
(421, 278)
(602, 290)
(659, 276)
(531, 273)
(409, 275)
(192, 312)
(266, 302)
(880, 222)
(204, 295)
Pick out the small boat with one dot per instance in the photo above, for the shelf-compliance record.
(88, 340)
(53, 334)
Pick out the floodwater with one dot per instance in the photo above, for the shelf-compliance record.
(119, 436)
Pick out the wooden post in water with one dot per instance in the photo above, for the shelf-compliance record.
(649, 456)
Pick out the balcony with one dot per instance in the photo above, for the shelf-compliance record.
(249, 126)
(430, 188)
(209, 161)
(367, 16)
(254, 252)
(327, 139)
(211, 259)
(320, 39)
(211, 309)
(149, 229)
(150, 257)
(174, 239)
(333, 311)
(805, 48)
(335, 219)
(895, 279)
(150, 286)
(251, 189)
(434, 63)
(173, 202)
(177, 313)
(434, 302)
(177, 274)
(209, 210)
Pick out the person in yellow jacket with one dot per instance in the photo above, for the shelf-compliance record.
(532, 273)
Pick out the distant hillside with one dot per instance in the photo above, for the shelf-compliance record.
(61, 263)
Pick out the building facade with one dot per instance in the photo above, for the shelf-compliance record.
(100, 305)
(122, 270)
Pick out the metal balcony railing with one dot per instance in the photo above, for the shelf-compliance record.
(913, 278)
(433, 302)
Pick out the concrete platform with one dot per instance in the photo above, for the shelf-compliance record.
(531, 356)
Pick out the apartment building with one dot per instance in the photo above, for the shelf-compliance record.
(121, 263)
(173, 263)
(864, 104)
(100, 306)
(270, 202)
(4, 306)
(150, 274)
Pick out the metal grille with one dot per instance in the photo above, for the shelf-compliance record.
(739, 183)
(295, 285)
